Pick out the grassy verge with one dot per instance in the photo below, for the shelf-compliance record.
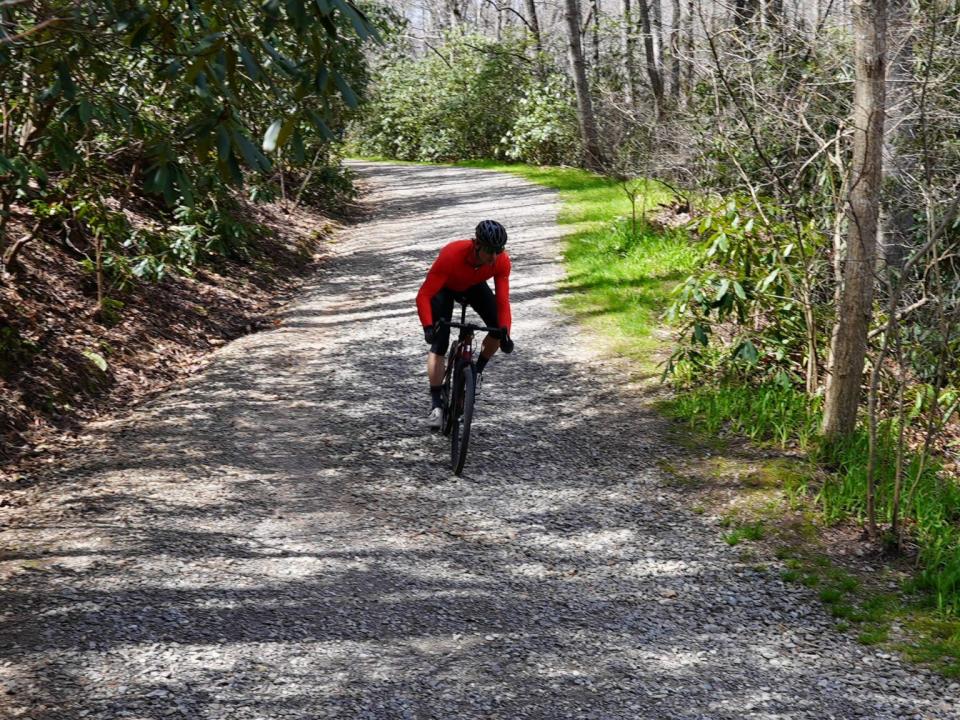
(807, 508)
(619, 281)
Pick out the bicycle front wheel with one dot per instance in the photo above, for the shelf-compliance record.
(460, 433)
(449, 416)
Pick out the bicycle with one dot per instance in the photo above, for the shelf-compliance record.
(458, 391)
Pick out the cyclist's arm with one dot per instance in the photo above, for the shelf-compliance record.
(434, 283)
(501, 286)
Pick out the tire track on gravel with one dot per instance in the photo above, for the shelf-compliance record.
(279, 538)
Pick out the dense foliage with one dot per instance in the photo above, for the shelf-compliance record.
(472, 98)
(173, 104)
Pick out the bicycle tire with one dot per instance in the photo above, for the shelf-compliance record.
(460, 434)
(447, 395)
(446, 418)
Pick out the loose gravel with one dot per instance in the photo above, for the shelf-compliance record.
(281, 538)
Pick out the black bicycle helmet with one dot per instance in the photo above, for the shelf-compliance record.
(491, 234)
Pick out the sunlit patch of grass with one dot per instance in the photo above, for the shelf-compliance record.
(618, 280)
(830, 595)
(938, 644)
(873, 634)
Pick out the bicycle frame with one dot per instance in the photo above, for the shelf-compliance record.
(458, 388)
(463, 347)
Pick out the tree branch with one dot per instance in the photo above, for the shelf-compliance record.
(9, 39)
(501, 8)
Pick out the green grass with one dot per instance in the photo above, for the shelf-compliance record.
(767, 413)
(618, 281)
(938, 643)
(873, 614)
(930, 502)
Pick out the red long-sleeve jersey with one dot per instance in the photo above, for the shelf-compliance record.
(454, 270)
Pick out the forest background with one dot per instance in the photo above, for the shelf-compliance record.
(787, 175)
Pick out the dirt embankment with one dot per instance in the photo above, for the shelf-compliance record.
(62, 365)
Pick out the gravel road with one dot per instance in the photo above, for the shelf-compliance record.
(280, 538)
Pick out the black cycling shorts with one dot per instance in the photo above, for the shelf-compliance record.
(480, 297)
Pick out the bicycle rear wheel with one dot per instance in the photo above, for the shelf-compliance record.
(463, 406)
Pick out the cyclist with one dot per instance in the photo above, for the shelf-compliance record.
(460, 272)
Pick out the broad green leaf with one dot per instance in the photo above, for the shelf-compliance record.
(323, 78)
(171, 70)
(348, 95)
(64, 152)
(722, 290)
(738, 289)
(768, 280)
(320, 125)
(142, 268)
(700, 333)
(96, 358)
(223, 143)
(85, 111)
(297, 13)
(142, 33)
(249, 62)
(66, 81)
(184, 186)
(251, 156)
(194, 69)
(230, 170)
(296, 147)
(211, 41)
(917, 406)
(284, 63)
(288, 126)
(360, 23)
(747, 351)
(270, 138)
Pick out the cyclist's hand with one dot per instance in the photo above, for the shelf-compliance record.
(506, 344)
(429, 334)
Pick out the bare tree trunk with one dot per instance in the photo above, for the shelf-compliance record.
(653, 67)
(454, 13)
(774, 13)
(656, 17)
(595, 38)
(897, 210)
(6, 201)
(743, 11)
(854, 307)
(629, 53)
(534, 24)
(901, 445)
(675, 52)
(585, 117)
(688, 76)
